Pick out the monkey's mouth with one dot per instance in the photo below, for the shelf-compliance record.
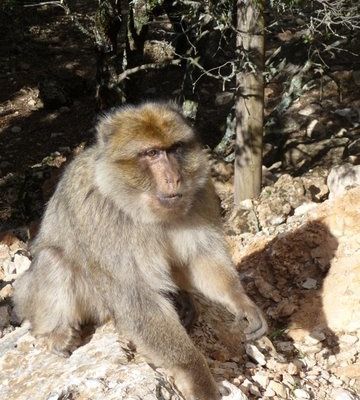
(169, 200)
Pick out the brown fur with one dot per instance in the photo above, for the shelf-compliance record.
(111, 246)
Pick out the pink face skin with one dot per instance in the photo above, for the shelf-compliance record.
(164, 167)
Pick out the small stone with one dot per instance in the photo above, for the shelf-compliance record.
(236, 382)
(272, 364)
(9, 267)
(331, 360)
(310, 361)
(335, 381)
(261, 378)
(310, 109)
(315, 129)
(266, 344)
(310, 341)
(255, 391)
(293, 369)
(4, 252)
(16, 129)
(246, 384)
(305, 208)
(253, 352)
(325, 374)
(6, 291)
(269, 392)
(288, 380)
(234, 393)
(278, 388)
(21, 263)
(31, 102)
(341, 178)
(301, 394)
(342, 394)
(310, 283)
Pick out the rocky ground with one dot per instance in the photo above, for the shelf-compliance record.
(299, 259)
(296, 247)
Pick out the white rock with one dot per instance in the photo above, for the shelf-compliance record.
(301, 394)
(234, 392)
(246, 384)
(269, 392)
(310, 341)
(261, 378)
(253, 352)
(22, 263)
(305, 208)
(342, 394)
(293, 369)
(341, 178)
(337, 382)
(288, 380)
(310, 109)
(4, 252)
(278, 388)
(9, 267)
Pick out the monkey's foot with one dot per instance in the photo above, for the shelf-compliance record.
(64, 342)
(256, 323)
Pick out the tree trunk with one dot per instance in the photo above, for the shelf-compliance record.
(111, 21)
(249, 104)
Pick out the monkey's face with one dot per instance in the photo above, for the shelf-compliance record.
(150, 164)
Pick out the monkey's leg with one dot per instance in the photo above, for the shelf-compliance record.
(153, 324)
(46, 295)
(217, 279)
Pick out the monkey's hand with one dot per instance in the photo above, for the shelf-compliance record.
(256, 323)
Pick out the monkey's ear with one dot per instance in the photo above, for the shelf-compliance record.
(175, 106)
(105, 128)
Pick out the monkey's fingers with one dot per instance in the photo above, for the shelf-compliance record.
(257, 325)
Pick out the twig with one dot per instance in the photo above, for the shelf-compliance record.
(49, 3)
(143, 67)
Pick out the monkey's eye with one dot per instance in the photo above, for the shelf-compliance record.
(152, 153)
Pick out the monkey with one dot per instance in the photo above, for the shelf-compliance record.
(135, 217)
(185, 307)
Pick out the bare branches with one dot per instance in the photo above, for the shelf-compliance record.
(143, 67)
(336, 14)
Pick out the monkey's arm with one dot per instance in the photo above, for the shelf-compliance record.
(214, 275)
(151, 321)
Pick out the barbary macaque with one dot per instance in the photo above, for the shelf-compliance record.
(134, 218)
